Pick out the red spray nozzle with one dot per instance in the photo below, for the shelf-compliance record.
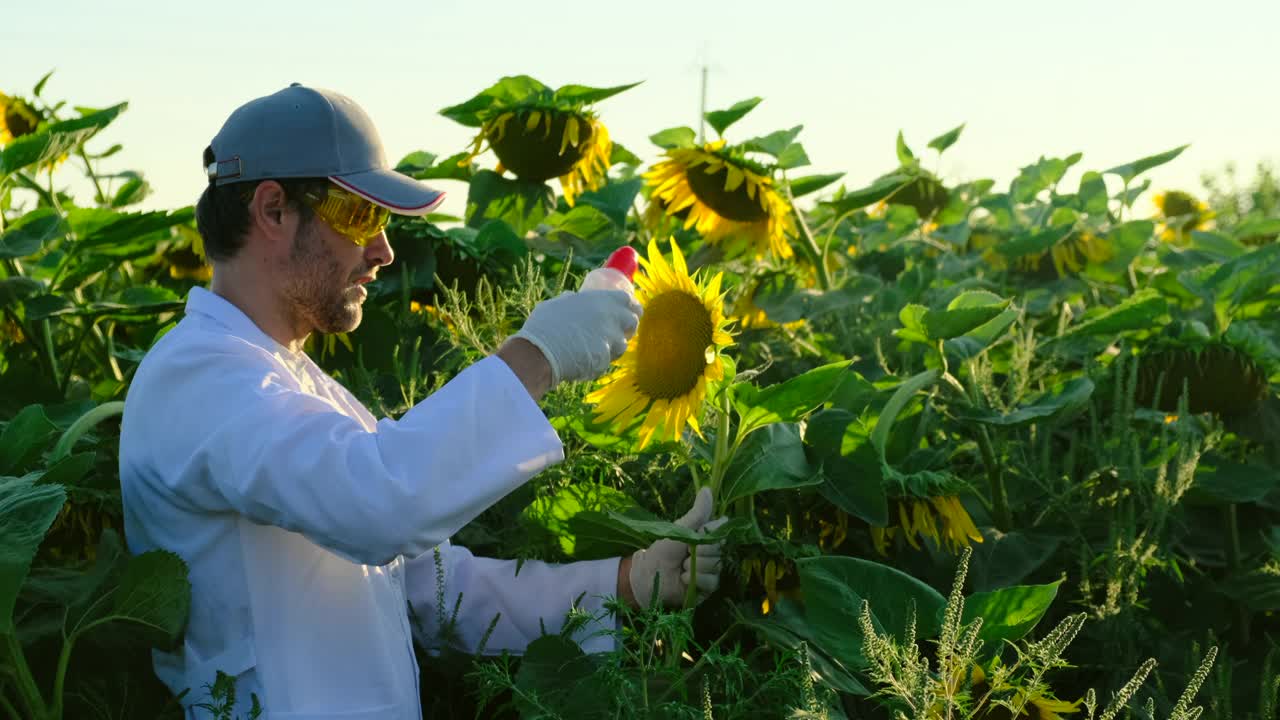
(625, 260)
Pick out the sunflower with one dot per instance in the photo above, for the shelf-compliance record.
(539, 143)
(1180, 213)
(17, 118)
(1220, 378)
(941, 518)
(749, 315)
(729, 198)
(675, 351)
(1067, 257)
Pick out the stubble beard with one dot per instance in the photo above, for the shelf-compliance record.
(318, 288)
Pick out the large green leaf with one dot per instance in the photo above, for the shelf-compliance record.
(610, 533)
(770, 459)
(555, 671)
(812, 183)
(786, 627)
(1058, 402)
(1004, 559)
(878, 190)
(775, 143)
(154, 593)
(57, 139)
(784, 301)
(1124, 243)
(31, 233)
(901, 396)
(1033, 242)
(1257, 589)
(1131, 170)
(1139, 311)
(834, 588)
(579, 95)
(422, 165)
(1225, 481)
(676, 137)
(1008, 613)
(1092, 197)
(506, 92)
(722, 119)
(519, 203)
(947, 139)
(1034, 179)
(553, 513)
(980, 338)
(966, 312)
(840, 444)
(122, 227)
(791, 399)
(24, 438)
(26, 513)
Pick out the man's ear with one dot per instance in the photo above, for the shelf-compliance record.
(267, 209)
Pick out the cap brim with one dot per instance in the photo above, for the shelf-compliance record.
(398, 193)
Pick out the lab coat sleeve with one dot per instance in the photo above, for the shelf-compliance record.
(539, 597)
(255, 444)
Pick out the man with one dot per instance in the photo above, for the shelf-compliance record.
(310, 528)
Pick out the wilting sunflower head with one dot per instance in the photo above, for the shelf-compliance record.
(541, 143)
(730, 200)
(1067, 257)
(17, 118)
(1181, 213)
(926, 194)
(676, 349)
(1220, 378)
(941, 518)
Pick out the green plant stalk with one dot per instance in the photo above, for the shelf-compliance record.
(1233, 563)
(59, 680)
(83, 425)
(810, 245)
(28, 691)
(46, 330)
(9, 708)
(999, 499)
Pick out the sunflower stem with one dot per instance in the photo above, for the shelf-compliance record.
(815, 254)
(720, 462)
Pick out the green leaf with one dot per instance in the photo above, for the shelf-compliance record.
(676, 137)
(912, 318)
(123, 228)
(980, 338)
(1225, 481)
(1258, 589)
(793, 157)
(967, 311)
(834, 588)
(1061, 401)
(133, 191)
(1003, 559)
(24, 438)
(615, 199)
(519, 203)
(905, 157)
(31, 233)
(454, 167)
(57, 139)
(722, 119)
(609, 533)
(785, 627)
(1126, 243)
(775, 143)
(1129, 171)
(792, 399)
(882, 188)
(496, 241)
(26, 513)
(947, 139)
(840, 443)
(812, 183)
(555, 674)
(580, 95)
(155, 594)
(1256, 226)
(1034, 179)
(16, 289)
(553, 513)
(1139, 311)
(1032, 242)
(1008, 613)
(583, 221)
(899, 400)
(506, 92)
(770, 459)
(1092, 195)
(619, 155)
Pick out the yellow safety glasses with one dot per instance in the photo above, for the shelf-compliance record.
(349, 214)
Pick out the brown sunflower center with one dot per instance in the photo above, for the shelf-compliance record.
(1219, 379)
(733, 204)
(20, 118)
(671, 345)
(1178, 203)
(534, 153)
(927, 195)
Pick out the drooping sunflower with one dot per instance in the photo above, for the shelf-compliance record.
(676, 349)
(539, 134)
(1068, 256)
(1220, 376)
(17, 118)
(730, 199)
(1180, 213)
(941, 518)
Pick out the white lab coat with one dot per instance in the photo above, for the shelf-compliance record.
(308, 526)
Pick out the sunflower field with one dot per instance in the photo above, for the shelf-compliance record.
(987, 451)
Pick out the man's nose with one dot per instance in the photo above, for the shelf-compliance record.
(378, 251)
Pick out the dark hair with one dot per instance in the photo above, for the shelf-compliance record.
(222, 213)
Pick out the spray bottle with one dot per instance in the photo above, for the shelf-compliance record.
(616, 273)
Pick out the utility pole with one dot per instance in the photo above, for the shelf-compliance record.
(702, 108)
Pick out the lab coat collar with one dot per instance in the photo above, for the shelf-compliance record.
(201, 301)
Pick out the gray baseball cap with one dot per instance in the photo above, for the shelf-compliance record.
(311, 132)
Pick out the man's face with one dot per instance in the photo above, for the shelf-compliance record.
(324, 273)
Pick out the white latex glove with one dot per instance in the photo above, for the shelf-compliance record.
(581, 333)
(667, 561)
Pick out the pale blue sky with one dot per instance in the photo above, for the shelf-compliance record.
(1115, 80)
